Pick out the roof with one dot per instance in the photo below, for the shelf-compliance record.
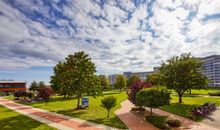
(11, 81)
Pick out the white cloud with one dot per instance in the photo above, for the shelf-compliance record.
(118, 35)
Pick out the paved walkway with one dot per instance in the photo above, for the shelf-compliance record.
(58, 121)
(214, 119)
(130, 120)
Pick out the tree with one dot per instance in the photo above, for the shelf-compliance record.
(182, 73)
(108, 103)
(153, 97)
(104, 82)
(156, 79)
(41, 84)
(76, 75)
(135, 88)
(120, 82)
(132, 79)
(45, 93)
(34, 86)
(58, 80)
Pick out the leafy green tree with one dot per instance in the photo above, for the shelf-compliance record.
(58, 80)
(34, 86)
(153, 97)
(108, 103)
(120, 82)
(132, 80)
(156, 79)
(78, 77)
(182, 73)
(41, 84)
(104, 82)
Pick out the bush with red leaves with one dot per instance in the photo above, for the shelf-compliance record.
(135, 88)
(45, 93)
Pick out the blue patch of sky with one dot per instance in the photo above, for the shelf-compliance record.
(34, 73)
(212, 17)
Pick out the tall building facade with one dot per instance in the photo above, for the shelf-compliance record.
(112, 79)
(211, 65)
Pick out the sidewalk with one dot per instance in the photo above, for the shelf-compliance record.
(58, 121)
(130, 120)
(214, 120)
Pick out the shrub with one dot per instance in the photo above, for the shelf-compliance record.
(45, 93)
(108, 103)
(173, 122)
(19, 94)
(135, 88)
(214, 94)
(203, 110)
(153, 97)
(30, 94)
(158, 121)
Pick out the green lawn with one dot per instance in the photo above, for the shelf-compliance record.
(95, 113)
(200, 91)
(188, 103)
(10, 120)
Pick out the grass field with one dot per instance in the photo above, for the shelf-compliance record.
(10, 120)
(94, 113)
(189, 102)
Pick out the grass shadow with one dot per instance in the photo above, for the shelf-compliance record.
(179, 109)
(72, 112)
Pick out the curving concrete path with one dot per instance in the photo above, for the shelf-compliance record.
(130, 120)
(214, 119)
(55, 120)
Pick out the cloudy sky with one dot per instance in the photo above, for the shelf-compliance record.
(120, 35)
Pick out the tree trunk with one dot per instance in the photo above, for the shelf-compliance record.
(120, 90)
(190, 91)
(108, 113)
(180, 98)
(151, 111)
(78, 102)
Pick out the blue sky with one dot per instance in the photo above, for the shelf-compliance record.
(119, 35)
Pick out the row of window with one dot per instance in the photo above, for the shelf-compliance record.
(7, 86)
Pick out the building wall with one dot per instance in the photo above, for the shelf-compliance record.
(112, 79)
(11, 87)
(211, 65)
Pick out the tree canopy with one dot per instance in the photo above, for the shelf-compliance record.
(156, 79)
(34, 86)
(132, 80)
(104, 82)
(182, 73)
(120, 82)
(76, 75)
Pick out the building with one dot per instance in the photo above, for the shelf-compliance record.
(211, 65)
(12, 86)
(112, 79)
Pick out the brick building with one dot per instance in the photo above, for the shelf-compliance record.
(12, 86)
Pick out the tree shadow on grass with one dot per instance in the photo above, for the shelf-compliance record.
(72, 112)
(111, 121)
(20, 122)
(179, 109)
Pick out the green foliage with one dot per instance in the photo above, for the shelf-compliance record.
(132, 80)
(76, 76)
(108, 103)
(120, 82)
(158, 121)
(153, 97)
(182, 73)
(104, 82)
(156, 79)
(34, 86)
